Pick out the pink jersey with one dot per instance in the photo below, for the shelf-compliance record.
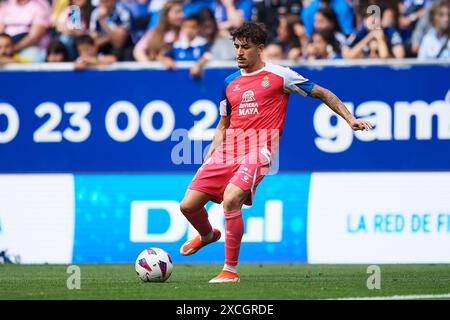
(257, 103)
(19, 18)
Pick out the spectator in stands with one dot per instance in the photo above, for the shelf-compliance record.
(189, 47)
(273, 51)
(287, 37)
(409, 12)
(193, 7)
(155, 7)
(371, 40)
(387, 8)
(139, 9)
(342, 8)
(27, 22)
(140, 13)
(268, 12)
(58, 7)
(221, 47)
(156, 41)
(436, 43)
(110, 27)
(72, 24)
(421, 28)
(232, 14)
(323, 46)
(6, 50)
(229, 14)
(57, 52)
(326, 18)
(88, 55)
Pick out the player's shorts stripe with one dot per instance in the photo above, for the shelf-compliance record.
(253, 183)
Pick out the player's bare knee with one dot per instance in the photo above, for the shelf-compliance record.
(231, 202)
(186, 207)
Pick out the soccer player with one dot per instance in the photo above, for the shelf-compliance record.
(252, 112)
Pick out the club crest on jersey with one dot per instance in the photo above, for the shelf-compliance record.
(248, 105)
(265, 83)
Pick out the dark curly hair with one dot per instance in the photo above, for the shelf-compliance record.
(328, 36)
(56, 46)
(330, 15)
(253, 32)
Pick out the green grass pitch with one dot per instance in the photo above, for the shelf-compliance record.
(258, 281)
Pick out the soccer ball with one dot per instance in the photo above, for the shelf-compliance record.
(154, 265)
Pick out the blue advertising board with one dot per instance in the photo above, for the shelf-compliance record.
(102, 121)
(325, 217)
(117, 216)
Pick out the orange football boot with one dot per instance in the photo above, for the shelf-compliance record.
(193, 245)
(226, 276)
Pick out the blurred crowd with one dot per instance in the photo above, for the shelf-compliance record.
(101, 32)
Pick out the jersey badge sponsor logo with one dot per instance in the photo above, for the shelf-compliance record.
(248, 105)
(248, 96)
(265, 83)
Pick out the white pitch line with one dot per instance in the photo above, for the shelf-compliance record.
(399, 297)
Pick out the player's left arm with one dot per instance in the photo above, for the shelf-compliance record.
(335, 104)
(295, 83)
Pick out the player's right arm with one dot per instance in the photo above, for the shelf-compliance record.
(224, 122)
(219, 134)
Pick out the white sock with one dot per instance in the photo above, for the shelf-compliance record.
(208, 237)
(227, 267)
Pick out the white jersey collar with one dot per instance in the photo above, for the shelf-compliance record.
(254, 72)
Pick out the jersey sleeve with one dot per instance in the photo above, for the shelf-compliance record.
(225, 106)
(295, 83)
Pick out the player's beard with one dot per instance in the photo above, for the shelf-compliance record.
(242, 65)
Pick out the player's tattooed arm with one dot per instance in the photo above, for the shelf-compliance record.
(335, 104)
(219, 134)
